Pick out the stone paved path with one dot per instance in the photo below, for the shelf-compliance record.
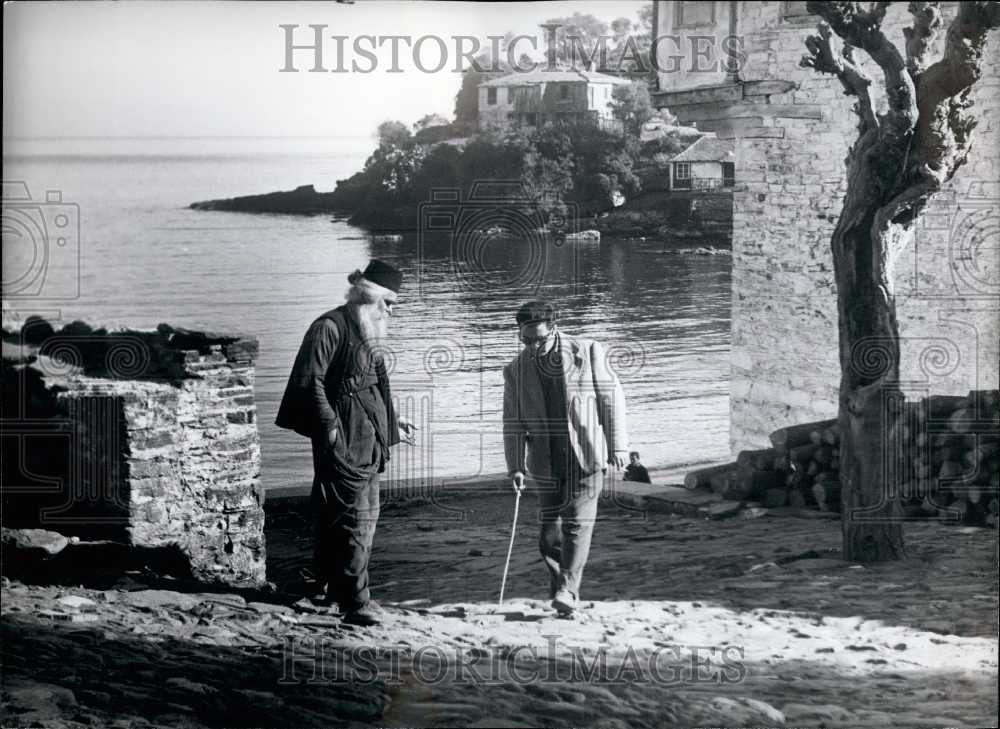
(684, 623)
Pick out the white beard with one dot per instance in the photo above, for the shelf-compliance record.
(374, 325)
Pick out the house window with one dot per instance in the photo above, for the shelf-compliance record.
(531, 119)
(491, 95)
(564, 92)
(728, 174)
(682, 176)
(590, 95)
(693, 14)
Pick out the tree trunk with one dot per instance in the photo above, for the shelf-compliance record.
(901, 158)
(870, 399)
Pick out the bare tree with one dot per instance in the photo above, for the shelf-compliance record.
(899, 160)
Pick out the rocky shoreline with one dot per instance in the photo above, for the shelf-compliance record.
(745, 630)
(680, 217)
(303, 200)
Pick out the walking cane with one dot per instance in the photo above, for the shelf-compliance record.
(510, 548)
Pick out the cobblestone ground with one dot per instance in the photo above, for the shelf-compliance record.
(741, 622)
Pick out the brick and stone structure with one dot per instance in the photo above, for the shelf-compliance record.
(145, 438)
(792, 129)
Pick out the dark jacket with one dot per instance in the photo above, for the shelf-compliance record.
(636, 472)
(333, 363)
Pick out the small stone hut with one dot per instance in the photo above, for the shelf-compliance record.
(143, 438)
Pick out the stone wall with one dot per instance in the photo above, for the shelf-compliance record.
(144, 437)
(693, 52)
(785, 367)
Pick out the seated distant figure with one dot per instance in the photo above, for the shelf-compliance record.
(635, 471)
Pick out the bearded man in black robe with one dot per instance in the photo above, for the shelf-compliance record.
(338, 396)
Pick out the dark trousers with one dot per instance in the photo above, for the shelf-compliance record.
(346, 513)
(568, 511)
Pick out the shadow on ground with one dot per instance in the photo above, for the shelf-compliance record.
(59, 675)
(453, 551)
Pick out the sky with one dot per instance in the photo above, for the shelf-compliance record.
(137, 69)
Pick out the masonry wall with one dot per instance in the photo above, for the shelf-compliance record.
(785, 367)
(690, 53)
(161, 449)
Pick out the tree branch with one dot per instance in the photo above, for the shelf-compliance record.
(961, 64)
(862, 29)
(945, 124)
(877, 13)
(920, 37)
(856, 82)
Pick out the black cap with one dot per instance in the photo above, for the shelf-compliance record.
(381, 273)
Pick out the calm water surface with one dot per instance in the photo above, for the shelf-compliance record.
(145, 259)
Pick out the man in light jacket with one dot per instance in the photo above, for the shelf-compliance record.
(563, 424)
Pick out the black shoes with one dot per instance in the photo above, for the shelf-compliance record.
(368, 614)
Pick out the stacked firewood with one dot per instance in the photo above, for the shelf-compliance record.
(948, 462)
(952, 464)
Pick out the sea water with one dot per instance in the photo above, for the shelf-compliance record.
(141, 257)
